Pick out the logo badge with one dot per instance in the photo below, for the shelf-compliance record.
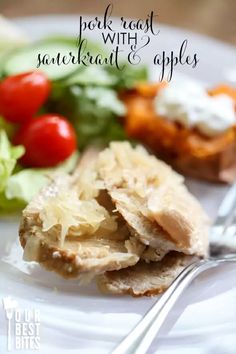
(23, 326)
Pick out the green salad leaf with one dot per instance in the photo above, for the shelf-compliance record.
(91, 75)
(25, 184)
(7, 127)
(128, 77)
(8, 157)
(98, 111)
(10, 205)
(102, 98)
(108, 76)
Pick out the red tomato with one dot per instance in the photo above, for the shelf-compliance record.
(48, 140)
(22, 95)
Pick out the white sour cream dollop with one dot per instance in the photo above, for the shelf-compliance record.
(189, 104)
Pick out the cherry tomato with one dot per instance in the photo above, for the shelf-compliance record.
(22, 95)
(48, 140)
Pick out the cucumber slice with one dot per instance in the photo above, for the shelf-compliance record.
(26, 59)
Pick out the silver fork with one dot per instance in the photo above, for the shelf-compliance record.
(222, 246)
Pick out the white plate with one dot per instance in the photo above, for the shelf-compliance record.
(80, 320)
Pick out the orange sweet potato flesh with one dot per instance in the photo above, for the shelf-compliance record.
(225, 90)
(187, 150)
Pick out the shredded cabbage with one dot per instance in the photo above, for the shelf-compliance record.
(67, 210)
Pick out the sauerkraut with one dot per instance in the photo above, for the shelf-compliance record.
(67, 210)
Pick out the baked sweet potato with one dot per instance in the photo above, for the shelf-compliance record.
(187, 150)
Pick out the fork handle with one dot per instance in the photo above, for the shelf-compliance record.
(140, 338)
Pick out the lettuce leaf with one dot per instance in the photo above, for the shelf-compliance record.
(20, 187)
(8, 158)
(91, 75)
(10, 205)
(9, 128)
(108, 76)
(25, 184)
(97, 118)
(128, 77)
